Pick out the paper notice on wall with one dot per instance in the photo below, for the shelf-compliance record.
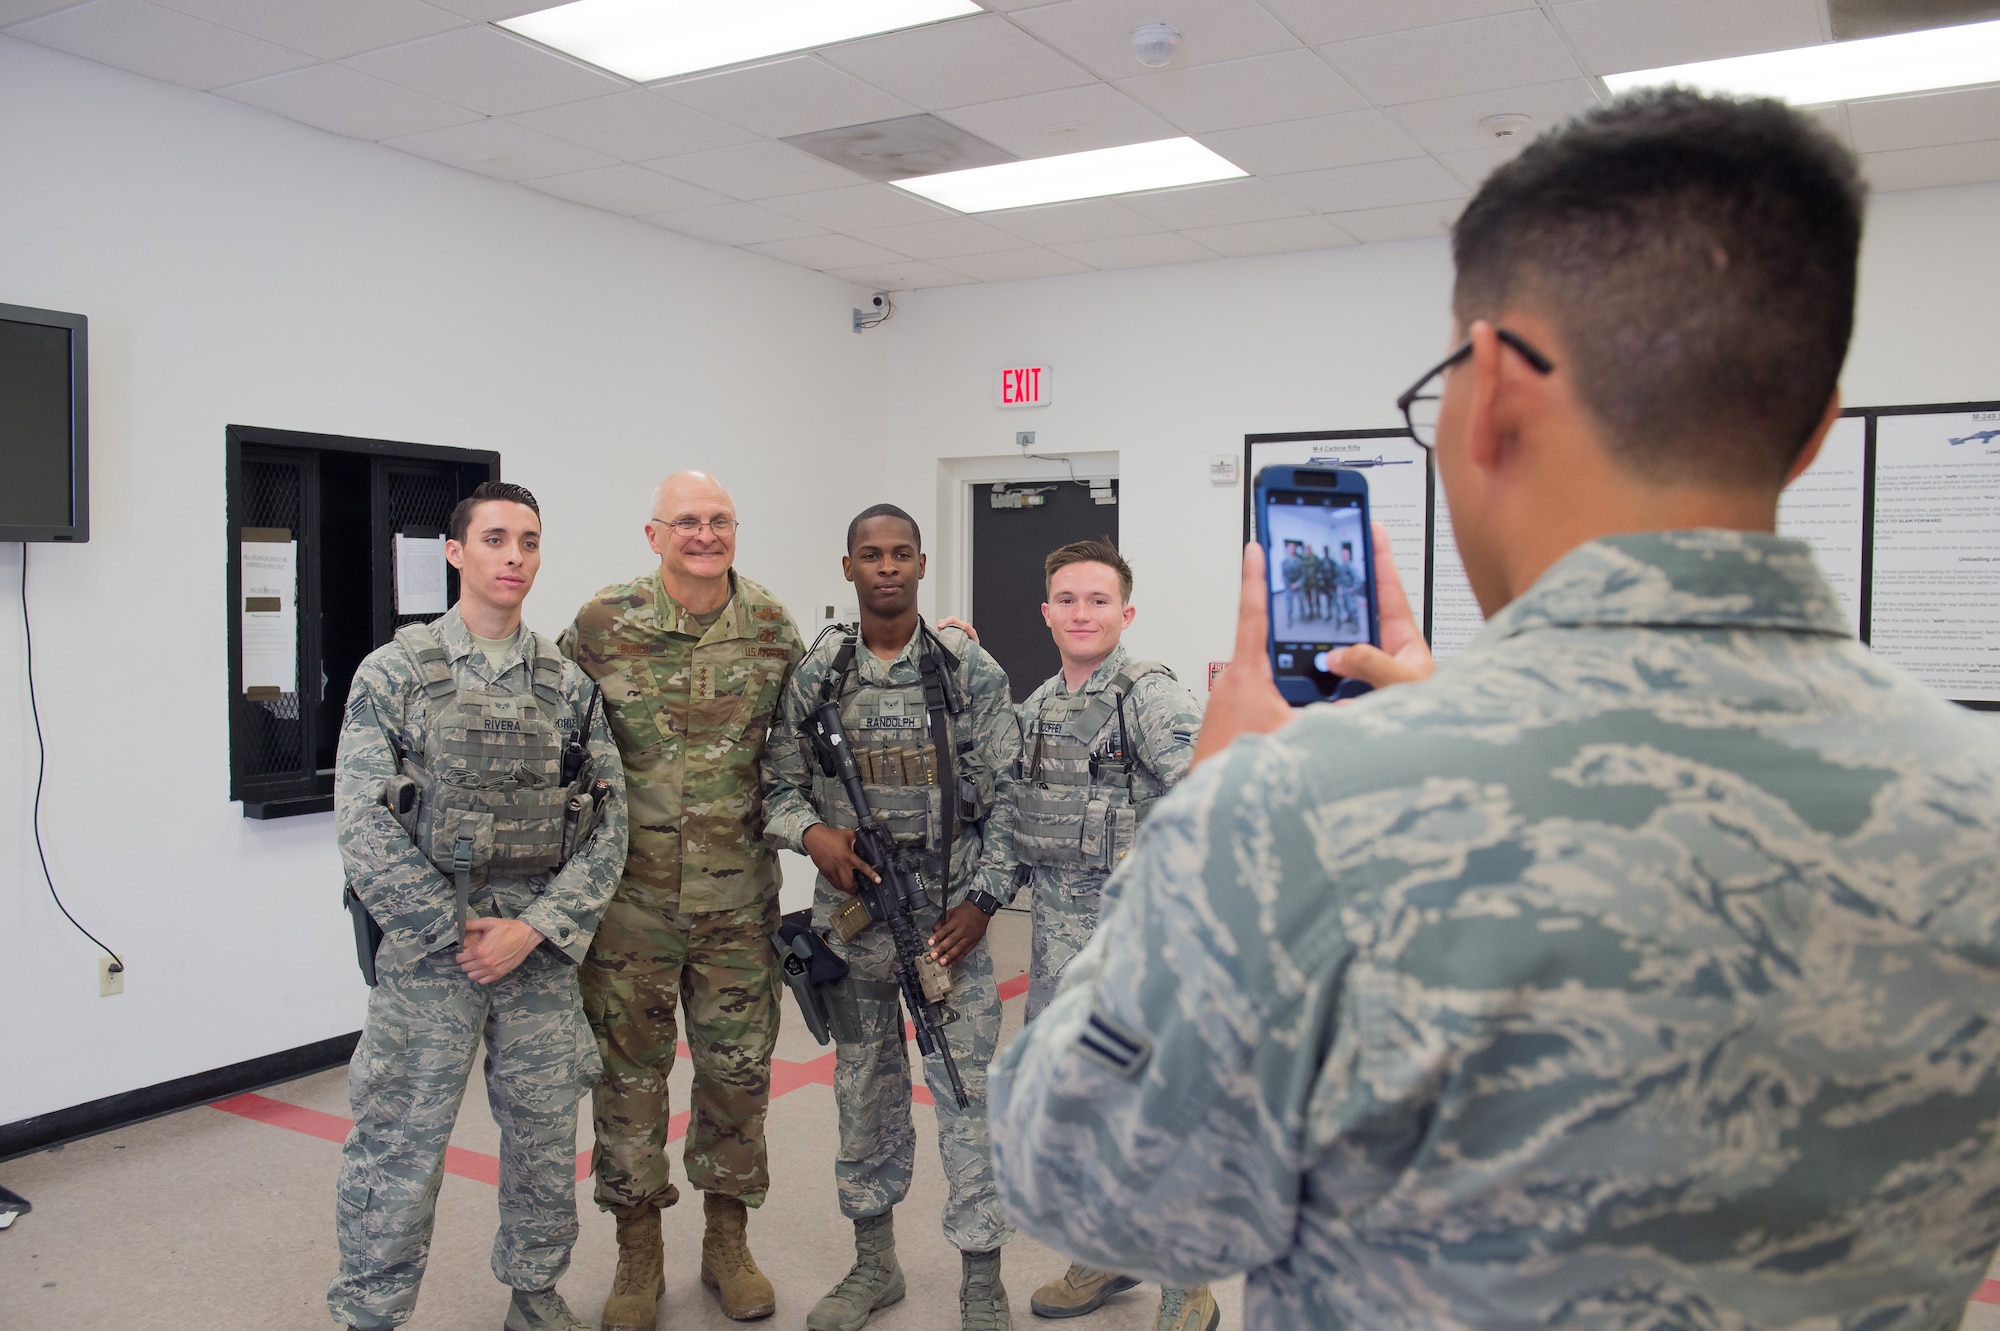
(1935, 597)
(1398, 474)
(270, 618)
(1825, 508)
(420, 566)
(1455, 613)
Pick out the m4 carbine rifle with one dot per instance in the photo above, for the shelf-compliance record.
(893, 902)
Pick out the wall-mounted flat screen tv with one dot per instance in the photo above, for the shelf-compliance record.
(44, 426)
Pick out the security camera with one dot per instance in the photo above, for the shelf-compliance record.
(1155, 43)
(880, 300)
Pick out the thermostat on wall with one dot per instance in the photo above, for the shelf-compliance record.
(1222, 469)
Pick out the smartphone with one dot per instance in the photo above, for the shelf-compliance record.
(1319, 567)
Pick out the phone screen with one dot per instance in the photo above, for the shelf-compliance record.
(1319, 581)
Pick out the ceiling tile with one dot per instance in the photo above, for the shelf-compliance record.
(1501, 51)
(1281, 235)
(1098, 33)
(624, 188)
(1833, 119)
(943, 239)
(958, 63)
(756, 171)
(1137, 251)
(159, 43)
(1214, 205)
(1068, 120)
(1408, 221)
(328, 31)
(858, 207)
(1372, 185)
(1473, 165)
(491, 71)
(1961, 116)
(1060, 223)
(491, 11)
(1016, 265)
(346, 101)
(904, 275)
(734, 224)
(1923, 168)
(499, 148)
(1286, 85)
(1614, 36)
(635, 125)
(1451, 124)
(826, 252)
(20, 11)
(1347, 139)
(1319, 21)
(786, 97)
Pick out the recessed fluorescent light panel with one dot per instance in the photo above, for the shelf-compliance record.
(1842, 71)
(1161, 164)
(647, 40)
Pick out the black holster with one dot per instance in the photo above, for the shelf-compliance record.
(808, 966)
(367, 933)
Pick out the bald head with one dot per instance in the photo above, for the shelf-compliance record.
(689, 490)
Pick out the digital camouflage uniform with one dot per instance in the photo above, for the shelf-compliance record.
(426, 1018)
(1637, 970)
(872, 1074)
(1161, 718)
(691, 924)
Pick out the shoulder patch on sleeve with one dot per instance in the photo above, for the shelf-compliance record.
(1105, 1041)
(359, 708)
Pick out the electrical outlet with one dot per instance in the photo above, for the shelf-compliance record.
(1024, 439)
(109, 981)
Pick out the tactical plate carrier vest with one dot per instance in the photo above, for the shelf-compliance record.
(897, 733)
(493, 775)
(1082, 791)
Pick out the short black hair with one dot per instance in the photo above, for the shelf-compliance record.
(883, 511)
(1697, 255)
(485, 491)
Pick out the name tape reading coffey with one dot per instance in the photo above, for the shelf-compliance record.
(1024, 386)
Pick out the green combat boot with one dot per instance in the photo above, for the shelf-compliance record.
(875, 1282)
(726, 1264)
(1187, 1310)
(1079, 1290)
(982, 1299)
(635, 1289)
(541, 1310)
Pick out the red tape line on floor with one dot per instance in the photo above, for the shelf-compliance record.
(786, 1077)
(1988, 1292)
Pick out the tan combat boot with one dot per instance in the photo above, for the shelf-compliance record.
(1079, 1290)
(726, 1264)
(982, 1299)
(1187, 1310)
(875, 1282)
(634, 1304)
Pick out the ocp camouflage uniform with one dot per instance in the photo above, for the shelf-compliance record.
(426, 1018)
(883, 709)
(1072, 828)
(1638, 970)
(691, 924)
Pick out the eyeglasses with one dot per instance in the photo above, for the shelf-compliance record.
(686, 527)
(1420, 409)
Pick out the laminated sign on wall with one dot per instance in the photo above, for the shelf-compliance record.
(270, 613)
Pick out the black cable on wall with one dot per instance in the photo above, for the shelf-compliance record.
(41, 767)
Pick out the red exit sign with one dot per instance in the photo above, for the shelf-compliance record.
(1024, 386)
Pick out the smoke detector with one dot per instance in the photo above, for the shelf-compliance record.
(1155, 43)
(1507, 126)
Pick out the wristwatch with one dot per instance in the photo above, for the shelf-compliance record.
(986, 903)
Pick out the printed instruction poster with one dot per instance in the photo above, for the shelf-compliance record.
(270, 614)
(420, 575)
(1935, 608)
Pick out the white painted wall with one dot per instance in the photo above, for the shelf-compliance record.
(1169, 366)
(239, 268)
